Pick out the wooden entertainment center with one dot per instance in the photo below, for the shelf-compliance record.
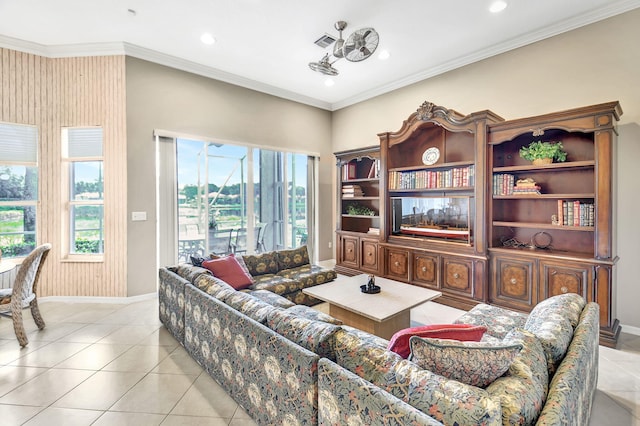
(435, 206)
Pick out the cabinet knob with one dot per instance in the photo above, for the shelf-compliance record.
(424, 269)
(456, 275)
(397, 263)
(564, 289)
(513, 281)
(369, 254)
(349, 250)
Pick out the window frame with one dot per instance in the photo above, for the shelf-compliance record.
(26, 203)
(69, 231)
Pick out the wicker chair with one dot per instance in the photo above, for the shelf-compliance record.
(23, 294)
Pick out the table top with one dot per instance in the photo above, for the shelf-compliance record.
(6, 265)
(394, 297)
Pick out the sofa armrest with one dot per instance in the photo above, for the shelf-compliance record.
(171, 302)
(345, 398)
(573, 386)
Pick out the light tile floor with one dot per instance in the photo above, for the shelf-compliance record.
(114, 364)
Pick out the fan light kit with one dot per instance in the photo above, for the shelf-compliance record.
(357, 47)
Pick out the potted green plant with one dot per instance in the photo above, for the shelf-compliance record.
(540, 152)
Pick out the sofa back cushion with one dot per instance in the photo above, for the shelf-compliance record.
(523, 390)
(251, 306)
(293, 258)
(214, 286)
(189, 272)
(316, 336)
(553, 321)
(260, 264)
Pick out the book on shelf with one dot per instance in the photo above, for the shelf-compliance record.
(576, 213)
(349, 171)
(374, 169)
(459, 177)
(374, 231)
(350, 191)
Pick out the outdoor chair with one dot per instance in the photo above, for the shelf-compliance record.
(24, 293)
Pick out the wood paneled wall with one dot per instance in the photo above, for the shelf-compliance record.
(52, 93)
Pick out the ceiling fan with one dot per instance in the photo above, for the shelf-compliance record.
(357, 47)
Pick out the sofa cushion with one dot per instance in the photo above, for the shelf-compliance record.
(367, 338)
(499, 321)
(309, 275)
(250, 306)
(522, 391)
(214, 286)
(228, 269)
(313, 314)
(190, 272)
(553, 321)
(435, 395)
(272, 298)
(276, 284)
(464, 332)
(316, 336)
(292, 258)
(473, 363)
(263, 263)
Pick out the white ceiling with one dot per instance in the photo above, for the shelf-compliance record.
(266, 44)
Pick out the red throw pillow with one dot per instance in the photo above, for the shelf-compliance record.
(399, 342)
(229, 270)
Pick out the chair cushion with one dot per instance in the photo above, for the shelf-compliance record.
(399, 342)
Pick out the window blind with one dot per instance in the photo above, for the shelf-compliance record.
(84, 142)
(18, 143)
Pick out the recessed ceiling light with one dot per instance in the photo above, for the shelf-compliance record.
(329, 82)
(207, 38)
(498, 6)
(383, 55)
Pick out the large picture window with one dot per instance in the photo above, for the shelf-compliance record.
(18, 189)
(82, 151)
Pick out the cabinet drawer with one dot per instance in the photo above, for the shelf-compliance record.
(349, 251)
(513, 282)
(564, 278)
(369, 251)
(457, 275)
(425, 269)
(397, 264)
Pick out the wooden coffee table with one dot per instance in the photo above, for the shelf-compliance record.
(381, 314)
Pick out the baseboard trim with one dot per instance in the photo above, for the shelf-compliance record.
(90, 299)
(630, 329)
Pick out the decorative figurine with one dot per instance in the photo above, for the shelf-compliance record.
(371, 284)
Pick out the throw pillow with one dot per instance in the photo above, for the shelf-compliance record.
(229, 270)
(474, 363)
(399, 342)
(197, 260)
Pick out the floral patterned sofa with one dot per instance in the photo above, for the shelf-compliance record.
(290, 364)
(551, 380)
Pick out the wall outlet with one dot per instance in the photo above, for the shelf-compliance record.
(330, 244)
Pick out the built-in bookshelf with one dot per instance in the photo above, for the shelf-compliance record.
(358, 221)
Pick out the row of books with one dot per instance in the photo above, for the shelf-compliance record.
(575, 213)
(459, 177)
(506, 184)
(350, 171)
(351, 191)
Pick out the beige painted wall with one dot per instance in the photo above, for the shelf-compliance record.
(593, 64)
(159, 97)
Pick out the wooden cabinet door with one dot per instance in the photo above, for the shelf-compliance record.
(349, 251)
(369, 251)
(514, 283)
(457, 275)
(397, 264)
(425, 269)
(564, 277)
